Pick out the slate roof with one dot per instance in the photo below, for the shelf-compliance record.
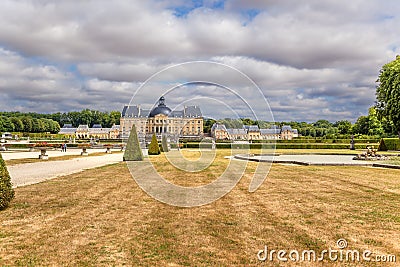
(192, 112)
(251, 128)
(83, 127)
(65, 130)
(130, 111)
(217, 126)
(160, 109)
(270, 131)
(176, 114)
(96, 129)
(237, 131)
(116, 127)
(286, 128)
(99, 130)
(137, 112)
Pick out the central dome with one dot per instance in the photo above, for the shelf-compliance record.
(160, 109)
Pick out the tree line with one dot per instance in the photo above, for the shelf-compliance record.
(371, 125)
(28, 124)
(383, 120)
(39, 123)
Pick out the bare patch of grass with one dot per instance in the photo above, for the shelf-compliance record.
(101, 217)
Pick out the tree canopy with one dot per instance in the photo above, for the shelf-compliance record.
(388, 93)
(39, 123)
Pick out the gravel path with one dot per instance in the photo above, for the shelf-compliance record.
(24, 154)
(32, 173)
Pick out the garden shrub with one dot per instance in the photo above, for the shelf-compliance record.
(6, 190)
(164, 144)
(154, 149)
(133, 152)
(389, 144)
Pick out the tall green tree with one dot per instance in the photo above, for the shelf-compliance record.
(361, 125)
(7, 125)
(208, 123)
(344, 126)
(18, 125)
(27, 121)
(369, 125)
(374, 125)
(388, 93)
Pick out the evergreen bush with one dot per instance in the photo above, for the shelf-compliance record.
(164, 144)
(389, 144)
(133, 152)
(154, 149)
(6, 190)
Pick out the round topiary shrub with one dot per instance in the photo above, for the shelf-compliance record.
(6, 190)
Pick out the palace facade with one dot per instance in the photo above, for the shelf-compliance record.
(85, 132)
(252, 132)
(162, 120)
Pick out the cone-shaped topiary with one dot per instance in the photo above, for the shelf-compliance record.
(154, 149)
(6, 190)
(133, 152)
(164, 144)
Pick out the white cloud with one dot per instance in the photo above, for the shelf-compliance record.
(306, 57)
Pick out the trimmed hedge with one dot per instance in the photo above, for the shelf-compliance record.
(6, 190)
(154, 149)
(164, 144)
(133, 152)
(319, 141)
(282, 146)
(389, 144)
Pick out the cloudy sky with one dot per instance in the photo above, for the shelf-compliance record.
(311, 59)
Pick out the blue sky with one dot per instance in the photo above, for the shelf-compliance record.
(311, 60)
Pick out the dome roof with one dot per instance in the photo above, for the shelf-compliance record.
(160, 109)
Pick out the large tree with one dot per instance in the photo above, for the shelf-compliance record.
(344, 126)
(388, 93)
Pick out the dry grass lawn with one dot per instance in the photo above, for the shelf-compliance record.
(101, 217)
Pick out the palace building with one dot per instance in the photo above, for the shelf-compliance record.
(84, 132)
(253, 132)
(162, 120)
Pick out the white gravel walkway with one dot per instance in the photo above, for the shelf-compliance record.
(32, 173)
(24, 154)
